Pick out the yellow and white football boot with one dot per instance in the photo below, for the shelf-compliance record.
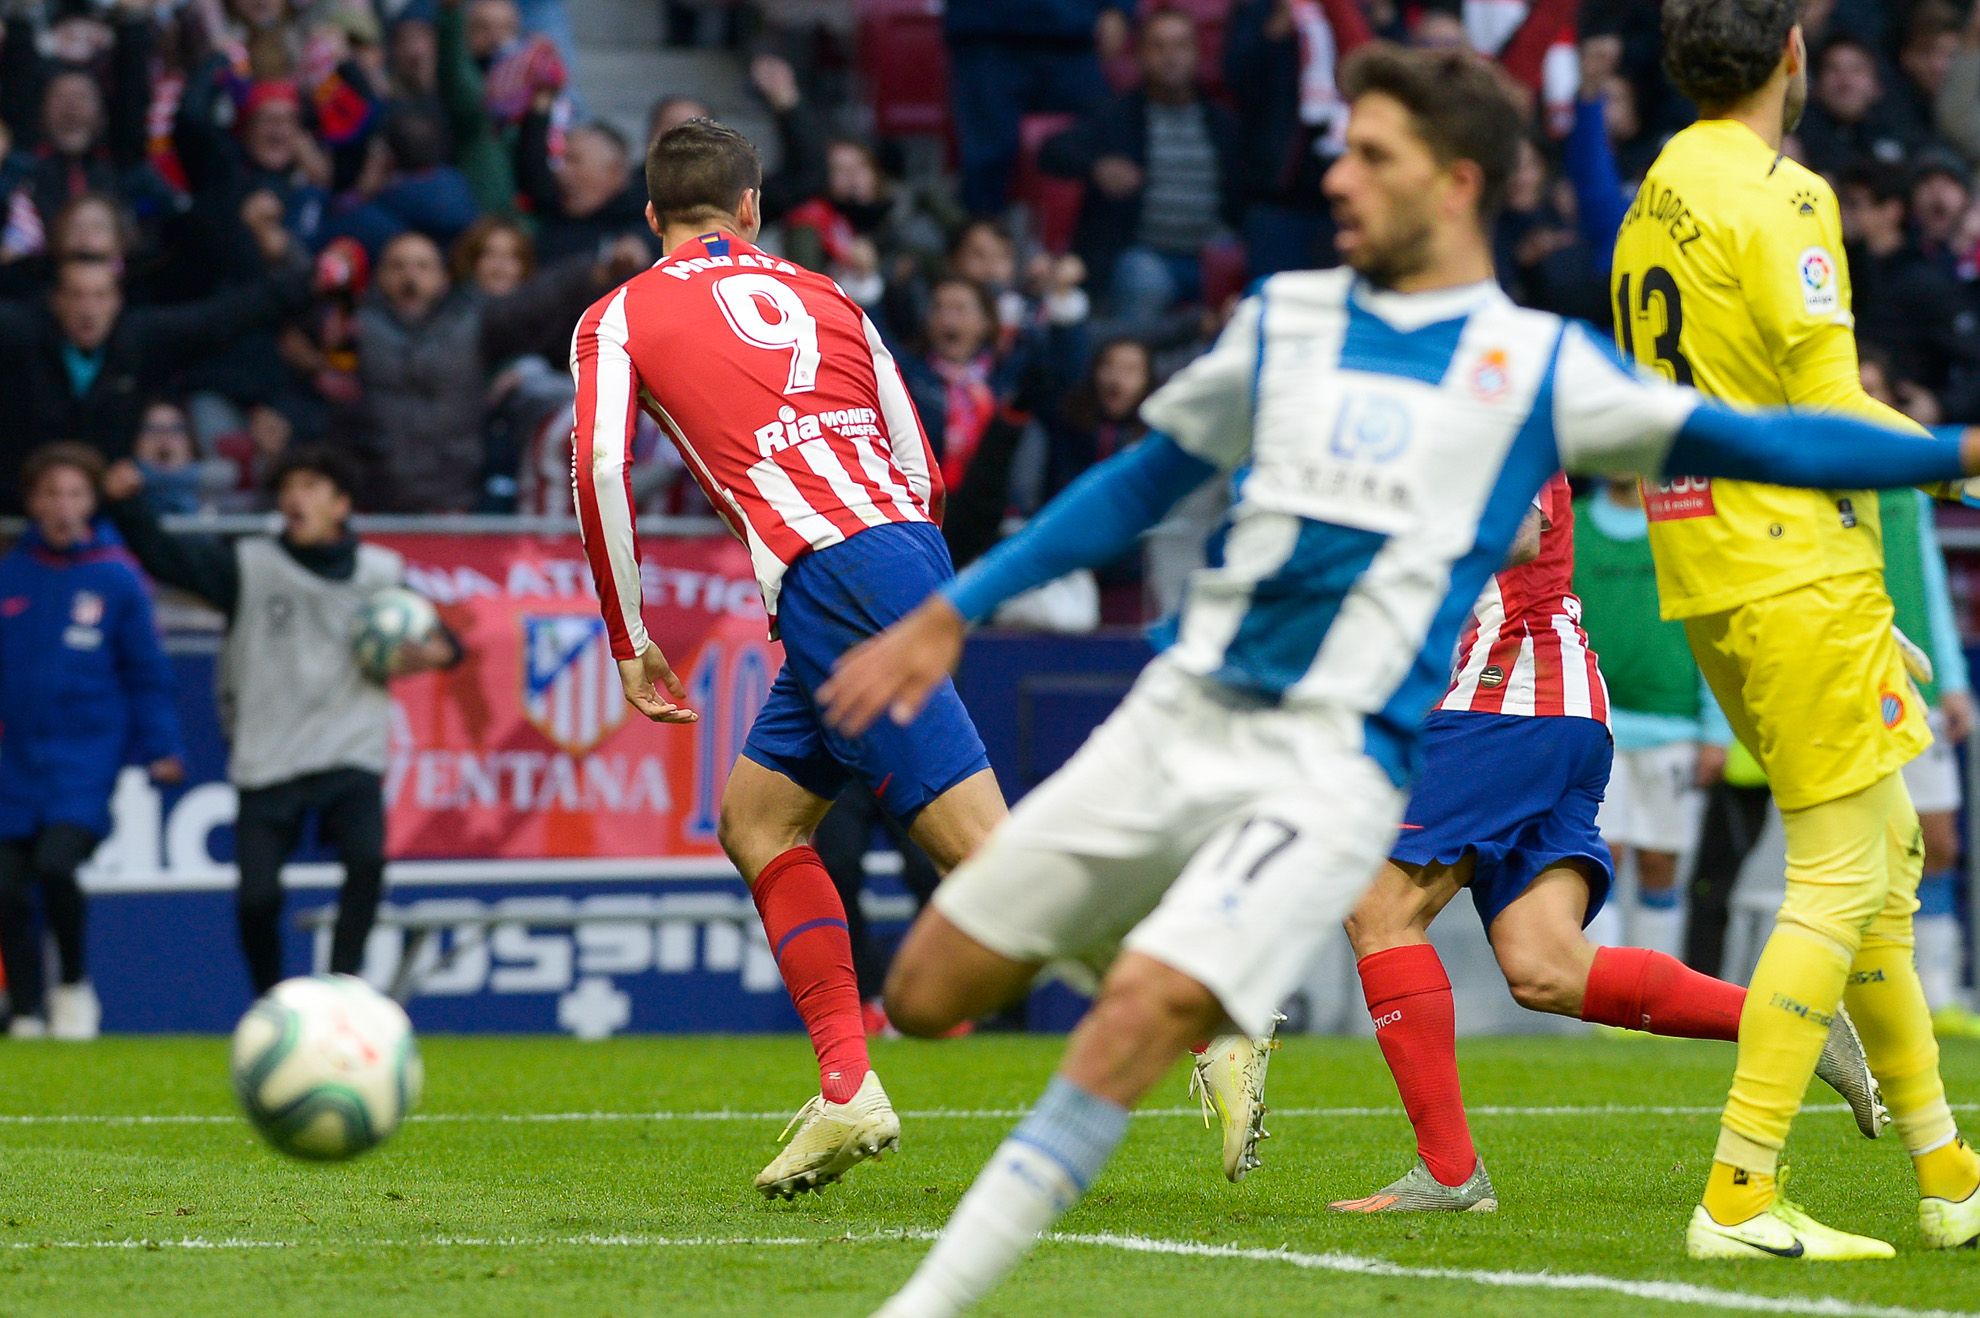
(831, 1138)
(1229, 1080)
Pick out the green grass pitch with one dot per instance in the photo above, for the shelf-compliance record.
(630, 1205)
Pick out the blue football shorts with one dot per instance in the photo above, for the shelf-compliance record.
(832, 599)
(1519, 792)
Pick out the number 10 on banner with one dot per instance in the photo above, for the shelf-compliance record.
(728, 685)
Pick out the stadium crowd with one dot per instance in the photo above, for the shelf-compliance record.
(230, 229)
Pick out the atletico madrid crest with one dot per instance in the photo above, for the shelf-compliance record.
(571, 691)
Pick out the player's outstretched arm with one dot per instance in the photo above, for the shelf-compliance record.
(1095, 520)
(1821, 451)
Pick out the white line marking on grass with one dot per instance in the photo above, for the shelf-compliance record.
(1668, 1292)
(925, 1114)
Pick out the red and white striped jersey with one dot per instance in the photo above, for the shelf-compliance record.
(777, 391)
(1523, 651)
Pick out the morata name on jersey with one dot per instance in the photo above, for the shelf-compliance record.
(687, 267)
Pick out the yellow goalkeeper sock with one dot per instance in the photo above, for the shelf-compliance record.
(1951, 1171)
(1888, 1005)
(1789, 1008)
(1734, 1195)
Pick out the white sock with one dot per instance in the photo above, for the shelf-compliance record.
(1938, 953)
(1036, 1174)
(1659, 928)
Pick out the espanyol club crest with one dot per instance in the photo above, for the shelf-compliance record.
(571, 691)
(1492, 377)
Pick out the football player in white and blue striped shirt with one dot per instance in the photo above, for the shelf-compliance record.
(1386, 428)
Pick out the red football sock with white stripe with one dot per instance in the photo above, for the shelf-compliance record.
(1409, 999)
(1643, 990)
(806, 923)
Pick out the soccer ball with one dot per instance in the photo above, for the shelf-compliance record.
(325, 1066)
(393, 618)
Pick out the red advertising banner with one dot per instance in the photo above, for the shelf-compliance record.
(527, 750)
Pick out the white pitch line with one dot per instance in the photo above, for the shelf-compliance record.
(925, 1114)
(1667, 1292)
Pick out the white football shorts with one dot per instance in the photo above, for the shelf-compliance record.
(1224, 839)
(1652, 802)
(1933, 777)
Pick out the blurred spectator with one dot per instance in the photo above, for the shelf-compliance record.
(952, 380)
(271, 34)
(92, 225)
(1849, 118)
(176, 479)
(229, 150)
(1279, 66)
(81, 364)
(801, 145)
(589, 198)
(406, 184)
(1931, 36)
(412, 63)
(1940, 198)
(466, 39)
(1539, 252)
(1903, 302)
(670, 112)
(84, 688)
(77, 139)
(1161, 166)
(419, 361)
(1102, 414)
(864, 230)
(1010, 58)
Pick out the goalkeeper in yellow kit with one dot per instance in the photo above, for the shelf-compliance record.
(1729, 276)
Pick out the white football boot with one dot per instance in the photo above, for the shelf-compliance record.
(74, 1013)
(830, 1139)
(1782, 1232)
(1420, 1192)
(1844, 1068)
(27, 1027)
(1229, 1080)
(1949, 1223)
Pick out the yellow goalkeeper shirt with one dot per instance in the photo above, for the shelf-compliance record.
(1729, 276)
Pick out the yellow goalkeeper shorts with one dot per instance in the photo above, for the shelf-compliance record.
(1812, 682)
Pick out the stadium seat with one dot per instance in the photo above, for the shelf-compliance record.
(1052, 203)
(906, 65)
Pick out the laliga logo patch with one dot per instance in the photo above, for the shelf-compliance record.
(1492, 377)
(1821, 289)
(1891, 706)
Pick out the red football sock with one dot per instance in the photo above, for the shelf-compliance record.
(1643, 990)
(1409, 997)
(806, 923)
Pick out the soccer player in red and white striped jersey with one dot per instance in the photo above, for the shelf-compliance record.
(1524, 652)
(1515, 760)
(791, 414)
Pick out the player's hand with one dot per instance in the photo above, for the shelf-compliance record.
(1711, 766)
(1117, 176)
(645, 678)
(167, 771)
(894, 672)
(1956, 707)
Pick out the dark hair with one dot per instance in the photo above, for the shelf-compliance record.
(1081, 409)
(1719, 52)
(1457, 103)
(417, 139)
(1845, 41)
(63, 453)
(1884, 182)
(1931, 20)
(699, 170)
(120, 217)
(971, 225)
(332, 464)
(976, 290)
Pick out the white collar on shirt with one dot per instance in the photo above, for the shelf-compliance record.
(1412, 311)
